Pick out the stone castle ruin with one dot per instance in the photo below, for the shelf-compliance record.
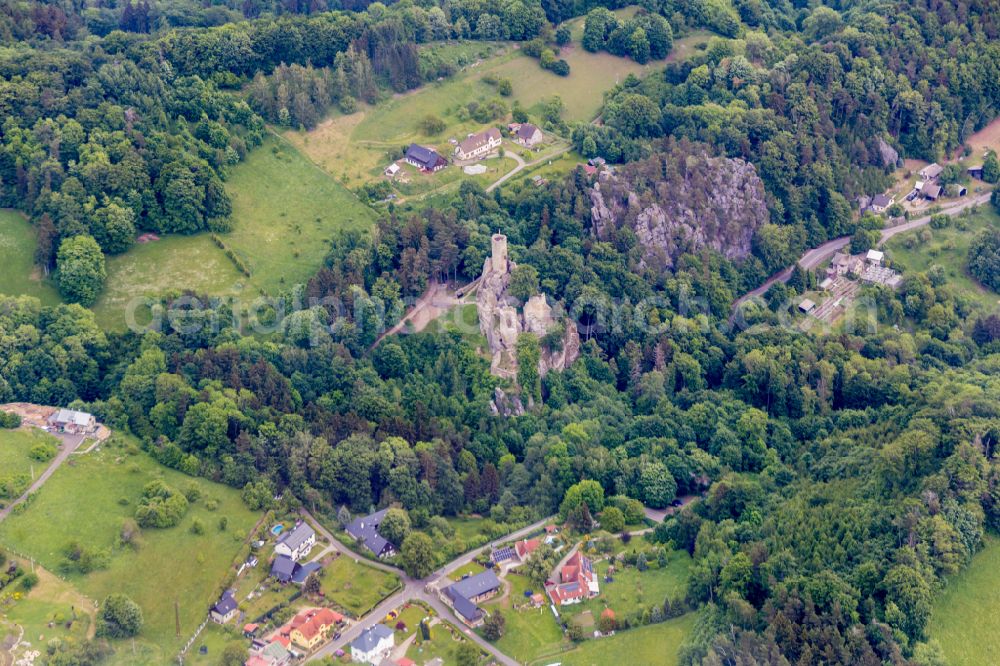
(501, 321)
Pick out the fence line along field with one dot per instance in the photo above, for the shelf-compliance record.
(84, 518)
(284, 212)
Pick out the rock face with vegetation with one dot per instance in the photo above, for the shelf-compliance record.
(502, 323)
(681, 200)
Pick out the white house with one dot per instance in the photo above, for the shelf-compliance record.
(297, 542)
(875, 257)
(392, 169)
(479, 144)
(373, 645)
(68, 420)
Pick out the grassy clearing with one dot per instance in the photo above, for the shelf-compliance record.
(87, 501)
(17, 251)
(964, 620)
(354, 586)
(285, 211)
(214, 640)
(655, 645)
(172, 263)
(948, 248)
(16, 463)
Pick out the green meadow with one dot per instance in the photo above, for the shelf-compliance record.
(87, 501)
(17, 256)
(652, 645)
(948, 248)
(16, 463)
(965, 621)
(285, 210)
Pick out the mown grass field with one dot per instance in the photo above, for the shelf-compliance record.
(652, 645)
(20, 276)
(285, 211)
(356, 586)
(88, 499)
(965, 620)
(15, 459)
(148, 270)
(948, 248)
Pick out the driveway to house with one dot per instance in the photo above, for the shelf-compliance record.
(522, 165)
(68, 446)
(419, 589)
(814, 257)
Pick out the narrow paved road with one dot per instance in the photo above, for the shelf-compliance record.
(68, 446)
(424, 590)
(521, 166)
(818, 255)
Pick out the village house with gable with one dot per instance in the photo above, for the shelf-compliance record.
(479, 145)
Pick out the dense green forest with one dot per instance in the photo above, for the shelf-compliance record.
(843, 475)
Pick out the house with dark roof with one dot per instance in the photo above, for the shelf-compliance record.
(931, 192)
(283, 568)
(424, 158)
(528, 135)
(365, 530)
(297, 542)
(468, 592)
(479, 144)
(225, 609)
(373, 645)
(880, 202)
(302, 572)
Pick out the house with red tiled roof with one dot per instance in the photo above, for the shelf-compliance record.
(577, 581)
(526, 547)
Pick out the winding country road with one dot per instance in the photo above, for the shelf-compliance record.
(420, 589)
(818, 255)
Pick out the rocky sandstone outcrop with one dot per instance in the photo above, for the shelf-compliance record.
(681, 201)
(501, 321)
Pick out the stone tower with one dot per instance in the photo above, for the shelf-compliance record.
(499, 259)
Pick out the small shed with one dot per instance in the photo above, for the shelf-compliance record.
(976, 172)
(392, 169)
(807, 305)
(826, 283)
(875, 257)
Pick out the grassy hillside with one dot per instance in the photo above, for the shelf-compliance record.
(284, 212)
(17, 252)
(965, 620)
(15, 460)
(355, 148)
(87, 500)
(948, 248)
